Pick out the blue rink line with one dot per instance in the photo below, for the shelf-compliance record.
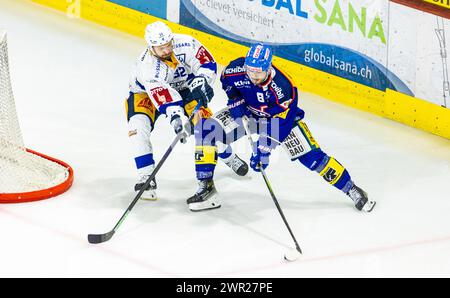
(157, 8)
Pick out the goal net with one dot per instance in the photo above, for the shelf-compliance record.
(25, 175)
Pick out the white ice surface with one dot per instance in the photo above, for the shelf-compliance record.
(70, 79)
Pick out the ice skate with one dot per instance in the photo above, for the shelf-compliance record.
(362, 202)
(150, 193)
(205, 198)
(238, 166)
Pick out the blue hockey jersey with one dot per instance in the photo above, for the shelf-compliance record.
(278, 99)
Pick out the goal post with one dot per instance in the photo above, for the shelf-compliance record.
(25, 175)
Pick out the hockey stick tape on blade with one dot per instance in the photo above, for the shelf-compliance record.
(292, 255)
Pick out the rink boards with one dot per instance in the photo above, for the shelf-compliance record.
(393, 105)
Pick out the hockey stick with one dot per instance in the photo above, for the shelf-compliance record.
(100, 238)
(291, 256)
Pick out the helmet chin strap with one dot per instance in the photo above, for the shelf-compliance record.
(150, 49)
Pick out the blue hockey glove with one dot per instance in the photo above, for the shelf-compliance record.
(200, 90)
(260, 159)
(237, 108)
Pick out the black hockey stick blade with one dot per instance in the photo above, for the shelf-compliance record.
(100, 238)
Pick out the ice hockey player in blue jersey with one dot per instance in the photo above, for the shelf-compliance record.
(263, 94)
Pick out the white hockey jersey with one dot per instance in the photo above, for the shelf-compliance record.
(162, 80)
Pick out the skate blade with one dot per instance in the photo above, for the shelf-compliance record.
(204, 209)
(149, 196)
(211, 203)
(368, 207)
(149, 199)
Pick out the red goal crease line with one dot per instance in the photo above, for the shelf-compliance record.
(44, 193)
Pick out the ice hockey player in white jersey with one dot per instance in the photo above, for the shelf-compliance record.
(169, 78)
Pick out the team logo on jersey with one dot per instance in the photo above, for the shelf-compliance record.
(241, 83)
(181, 57)
(234, 70)
(161, 95)
(204, 56)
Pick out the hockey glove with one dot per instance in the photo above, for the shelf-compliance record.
(200, 90)
(181, 126)
(260, 159)
(237, 108)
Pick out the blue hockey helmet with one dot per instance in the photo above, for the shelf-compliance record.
(259, 57)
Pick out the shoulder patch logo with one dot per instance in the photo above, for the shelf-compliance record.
(204, 56)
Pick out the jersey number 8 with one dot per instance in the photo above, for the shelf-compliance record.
(260, 97)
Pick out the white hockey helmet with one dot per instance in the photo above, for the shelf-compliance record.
(157, 34)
